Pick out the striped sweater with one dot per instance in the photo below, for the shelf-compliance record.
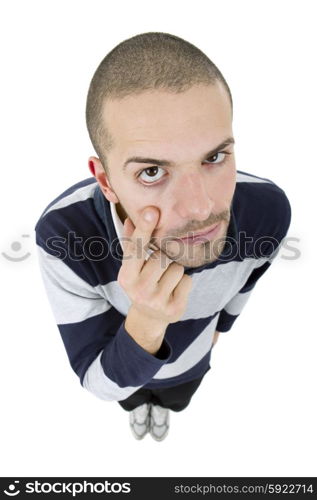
(80, 254)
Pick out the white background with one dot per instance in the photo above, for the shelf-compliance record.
(255, 413)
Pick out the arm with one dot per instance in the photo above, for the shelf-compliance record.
(278, 226)
(233, 308)
(141, 329)
(108, 361)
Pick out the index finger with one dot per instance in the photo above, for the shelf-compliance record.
(137, 238)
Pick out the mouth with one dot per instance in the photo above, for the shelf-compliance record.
(202, 236)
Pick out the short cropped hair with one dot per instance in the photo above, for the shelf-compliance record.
(147, 61)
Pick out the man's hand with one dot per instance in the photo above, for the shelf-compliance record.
(157, 287)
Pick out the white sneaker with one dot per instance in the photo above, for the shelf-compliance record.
(159, 422)
(140, 420)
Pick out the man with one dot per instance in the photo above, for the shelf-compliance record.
(147, 261)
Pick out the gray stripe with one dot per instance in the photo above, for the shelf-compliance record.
(248, 178)
(80, 194)
(192, 355)
(213, 289)
(96, 382)
(238, 302)
(71, 298)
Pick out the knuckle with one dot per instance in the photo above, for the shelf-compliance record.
(139, 296)
(171, 310)
(143, 286)
(178, 304)
(175, 310)
(157, 260)
(131, 246)
(156, 304)
(155, 255)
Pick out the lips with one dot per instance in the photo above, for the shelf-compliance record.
(203, 233)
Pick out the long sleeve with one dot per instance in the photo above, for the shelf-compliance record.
(234, 307)
(275, 210)
(109, 363)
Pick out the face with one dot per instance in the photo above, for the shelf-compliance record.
(176, 166)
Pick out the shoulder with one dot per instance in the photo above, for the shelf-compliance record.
(71, 230)
(261, 207)
(68, 210)
(75, 193)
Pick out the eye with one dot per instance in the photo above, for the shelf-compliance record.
(151, 172)
(217, 154)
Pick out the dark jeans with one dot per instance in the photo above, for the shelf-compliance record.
(175, 398)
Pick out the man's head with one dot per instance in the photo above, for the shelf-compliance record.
(159, 100)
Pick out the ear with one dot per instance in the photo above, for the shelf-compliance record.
(97, 170)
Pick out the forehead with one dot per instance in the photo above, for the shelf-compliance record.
(156, 116)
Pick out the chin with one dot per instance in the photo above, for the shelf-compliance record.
(199, 261)
(195, 255)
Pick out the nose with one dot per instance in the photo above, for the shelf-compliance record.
(191, 199)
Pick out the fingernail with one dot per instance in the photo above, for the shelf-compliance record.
(148, 216)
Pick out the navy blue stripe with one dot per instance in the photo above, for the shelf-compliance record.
(186, 332)
(225, 321)
(263, 216)
(254, 276)
(126, 363)
(196, 371)
(84, 340)
(75, 235)
(70, 190)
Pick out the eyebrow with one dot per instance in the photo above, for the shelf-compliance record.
(169, 163)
